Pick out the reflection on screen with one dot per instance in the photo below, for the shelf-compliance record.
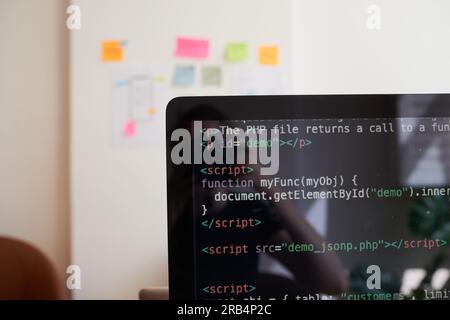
(359, 210)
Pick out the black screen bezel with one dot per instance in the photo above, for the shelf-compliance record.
(262, 108)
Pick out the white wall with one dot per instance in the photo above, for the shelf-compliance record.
(334, 52)
(34, 203)
(119, 226)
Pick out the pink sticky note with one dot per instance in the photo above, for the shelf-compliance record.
(129, 129)
(192, 48)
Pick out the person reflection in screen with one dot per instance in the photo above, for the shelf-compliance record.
(281, 222)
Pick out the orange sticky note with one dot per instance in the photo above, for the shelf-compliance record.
(112, 51)
(268, 55)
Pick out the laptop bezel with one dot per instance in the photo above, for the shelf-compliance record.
(258, 108)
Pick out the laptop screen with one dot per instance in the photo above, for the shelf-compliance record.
(313, 207)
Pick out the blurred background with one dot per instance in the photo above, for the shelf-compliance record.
(84, 85)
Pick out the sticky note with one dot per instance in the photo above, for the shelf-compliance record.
(211, 76)
(159, 79)
(268, 55)
(129, 129)
(112, 51)
(184, 75)
(152, 111)
(236, 52)
(192, 48)
(122, 82)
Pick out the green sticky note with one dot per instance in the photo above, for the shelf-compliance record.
(211, 76)
(236, 52)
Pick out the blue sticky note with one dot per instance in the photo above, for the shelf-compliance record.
(121, 83)
(184, 75)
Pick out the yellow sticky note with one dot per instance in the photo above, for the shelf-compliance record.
(268, 55)
(160, 78)
(152, 111)
(112, 51)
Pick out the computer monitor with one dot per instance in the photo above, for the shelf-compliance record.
(308, 197)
